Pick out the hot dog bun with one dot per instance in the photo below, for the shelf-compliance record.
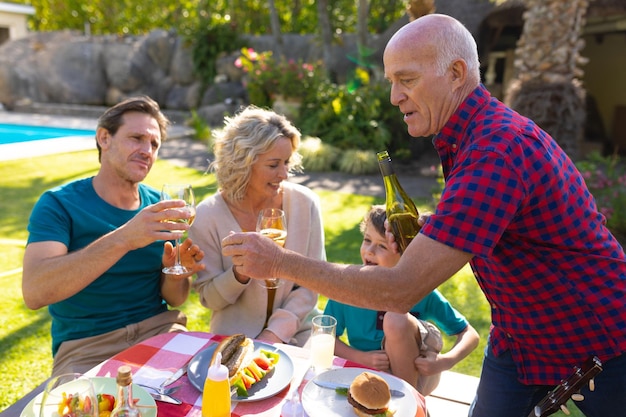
(237, 352)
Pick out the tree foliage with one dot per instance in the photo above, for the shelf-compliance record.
(122, 17)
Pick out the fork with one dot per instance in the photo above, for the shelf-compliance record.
(161, 390)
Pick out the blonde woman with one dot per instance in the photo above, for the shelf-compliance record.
(254, 156)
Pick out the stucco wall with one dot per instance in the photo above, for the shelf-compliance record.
(14, 17)
(604, 74)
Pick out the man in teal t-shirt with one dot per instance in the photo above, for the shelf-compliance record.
(97, 245)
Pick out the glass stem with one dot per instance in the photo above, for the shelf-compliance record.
(177, 252)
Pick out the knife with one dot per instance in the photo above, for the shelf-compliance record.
(176, 375)
(164, 398)
(335, 385)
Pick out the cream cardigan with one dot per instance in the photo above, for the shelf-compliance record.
(240, 308)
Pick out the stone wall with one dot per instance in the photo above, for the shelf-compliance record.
(72, 69)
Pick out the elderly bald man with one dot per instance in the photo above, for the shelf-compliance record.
(513, 206)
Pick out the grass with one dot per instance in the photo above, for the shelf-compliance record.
(25, 358)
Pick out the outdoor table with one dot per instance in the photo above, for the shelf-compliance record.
(168, 352)
(172, 350)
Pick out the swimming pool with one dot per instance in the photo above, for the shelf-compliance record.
(14, 133)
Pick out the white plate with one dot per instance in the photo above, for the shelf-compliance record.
(267, 387)
(325, 402)
(102, 385)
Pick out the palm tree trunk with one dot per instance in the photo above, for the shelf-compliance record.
(326, 35)
(275, 25)
(547, 87)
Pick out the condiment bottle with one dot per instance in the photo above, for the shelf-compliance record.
(402, 214)
(124, 403)
(216, 392)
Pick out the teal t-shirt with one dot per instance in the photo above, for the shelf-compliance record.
(128, 292)
(366, 334)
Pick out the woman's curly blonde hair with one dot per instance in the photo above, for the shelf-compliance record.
(245, 136)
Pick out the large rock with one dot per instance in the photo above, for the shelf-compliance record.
(72, 73)
(119, 69)
(69, 68)
(181, 66)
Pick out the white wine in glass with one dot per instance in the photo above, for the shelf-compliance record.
(273, 224)
(179, 192)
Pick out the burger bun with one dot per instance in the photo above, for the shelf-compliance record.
(369, 395)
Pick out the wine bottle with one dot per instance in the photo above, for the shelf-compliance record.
(402, 214)
(124, 402)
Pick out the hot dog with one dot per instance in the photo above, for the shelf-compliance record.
(245, 367)
(237, 351)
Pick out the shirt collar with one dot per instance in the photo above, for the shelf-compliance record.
(462, 117)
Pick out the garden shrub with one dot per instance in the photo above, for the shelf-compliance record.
(605, 177)
(317, 155)
(345, 119)
(209, 42)
(358, 162)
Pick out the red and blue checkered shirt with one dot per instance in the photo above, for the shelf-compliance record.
(554, 275)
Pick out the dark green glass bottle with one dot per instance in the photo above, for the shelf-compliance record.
(401, 211)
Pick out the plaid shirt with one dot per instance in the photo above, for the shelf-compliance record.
(554, 275)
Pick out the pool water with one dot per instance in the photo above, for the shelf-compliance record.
(10, 133)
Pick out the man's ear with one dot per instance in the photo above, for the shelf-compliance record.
(458, 71)
(103, 137)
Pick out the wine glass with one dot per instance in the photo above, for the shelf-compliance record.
(69, 394)
(272, 223)
(179, 192)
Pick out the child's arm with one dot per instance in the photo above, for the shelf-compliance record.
(376, 359)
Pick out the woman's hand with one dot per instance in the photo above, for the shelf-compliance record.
(268, 337)
(190, 256)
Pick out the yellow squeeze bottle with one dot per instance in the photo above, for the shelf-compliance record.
(216, 392)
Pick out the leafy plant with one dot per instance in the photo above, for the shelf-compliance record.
(606, 180)
(209, 42)
(317, 155)
(358, 162)
(345, 118)
(202, 131)
(268, 77)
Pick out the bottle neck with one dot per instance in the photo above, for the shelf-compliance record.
(125, 395)
(125, 404)
(386, 169)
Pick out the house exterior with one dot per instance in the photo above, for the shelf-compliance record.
(604, 80)
(13, 21)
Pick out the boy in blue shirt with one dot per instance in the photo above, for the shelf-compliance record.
(379, 339)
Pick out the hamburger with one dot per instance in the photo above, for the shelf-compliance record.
(369, 395)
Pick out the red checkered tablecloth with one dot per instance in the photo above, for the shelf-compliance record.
(160, 356)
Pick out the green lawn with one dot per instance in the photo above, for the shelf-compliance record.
(25, 358)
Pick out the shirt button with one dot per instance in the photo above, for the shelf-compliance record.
(454, 146)
(509, 336)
